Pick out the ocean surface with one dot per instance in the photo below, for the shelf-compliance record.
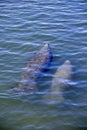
(25, 27)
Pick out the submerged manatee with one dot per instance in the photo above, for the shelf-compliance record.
(59, 81)
(32, 70)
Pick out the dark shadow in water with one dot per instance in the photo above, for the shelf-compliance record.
(4, 125)
(78, 128)
(82, 128)
(2, 128)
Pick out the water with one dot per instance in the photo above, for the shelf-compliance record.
(25, 26)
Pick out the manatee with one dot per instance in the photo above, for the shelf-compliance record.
(32, 71)
(60, 80)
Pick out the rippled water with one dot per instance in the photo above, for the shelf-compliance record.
(25, 26)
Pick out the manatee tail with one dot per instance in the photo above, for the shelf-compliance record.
(59, 81)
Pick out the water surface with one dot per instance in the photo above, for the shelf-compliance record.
(25, 26)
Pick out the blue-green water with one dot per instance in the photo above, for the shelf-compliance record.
(25, 26)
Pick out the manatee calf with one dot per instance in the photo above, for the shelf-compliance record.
(32, 70)
(59, 81)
